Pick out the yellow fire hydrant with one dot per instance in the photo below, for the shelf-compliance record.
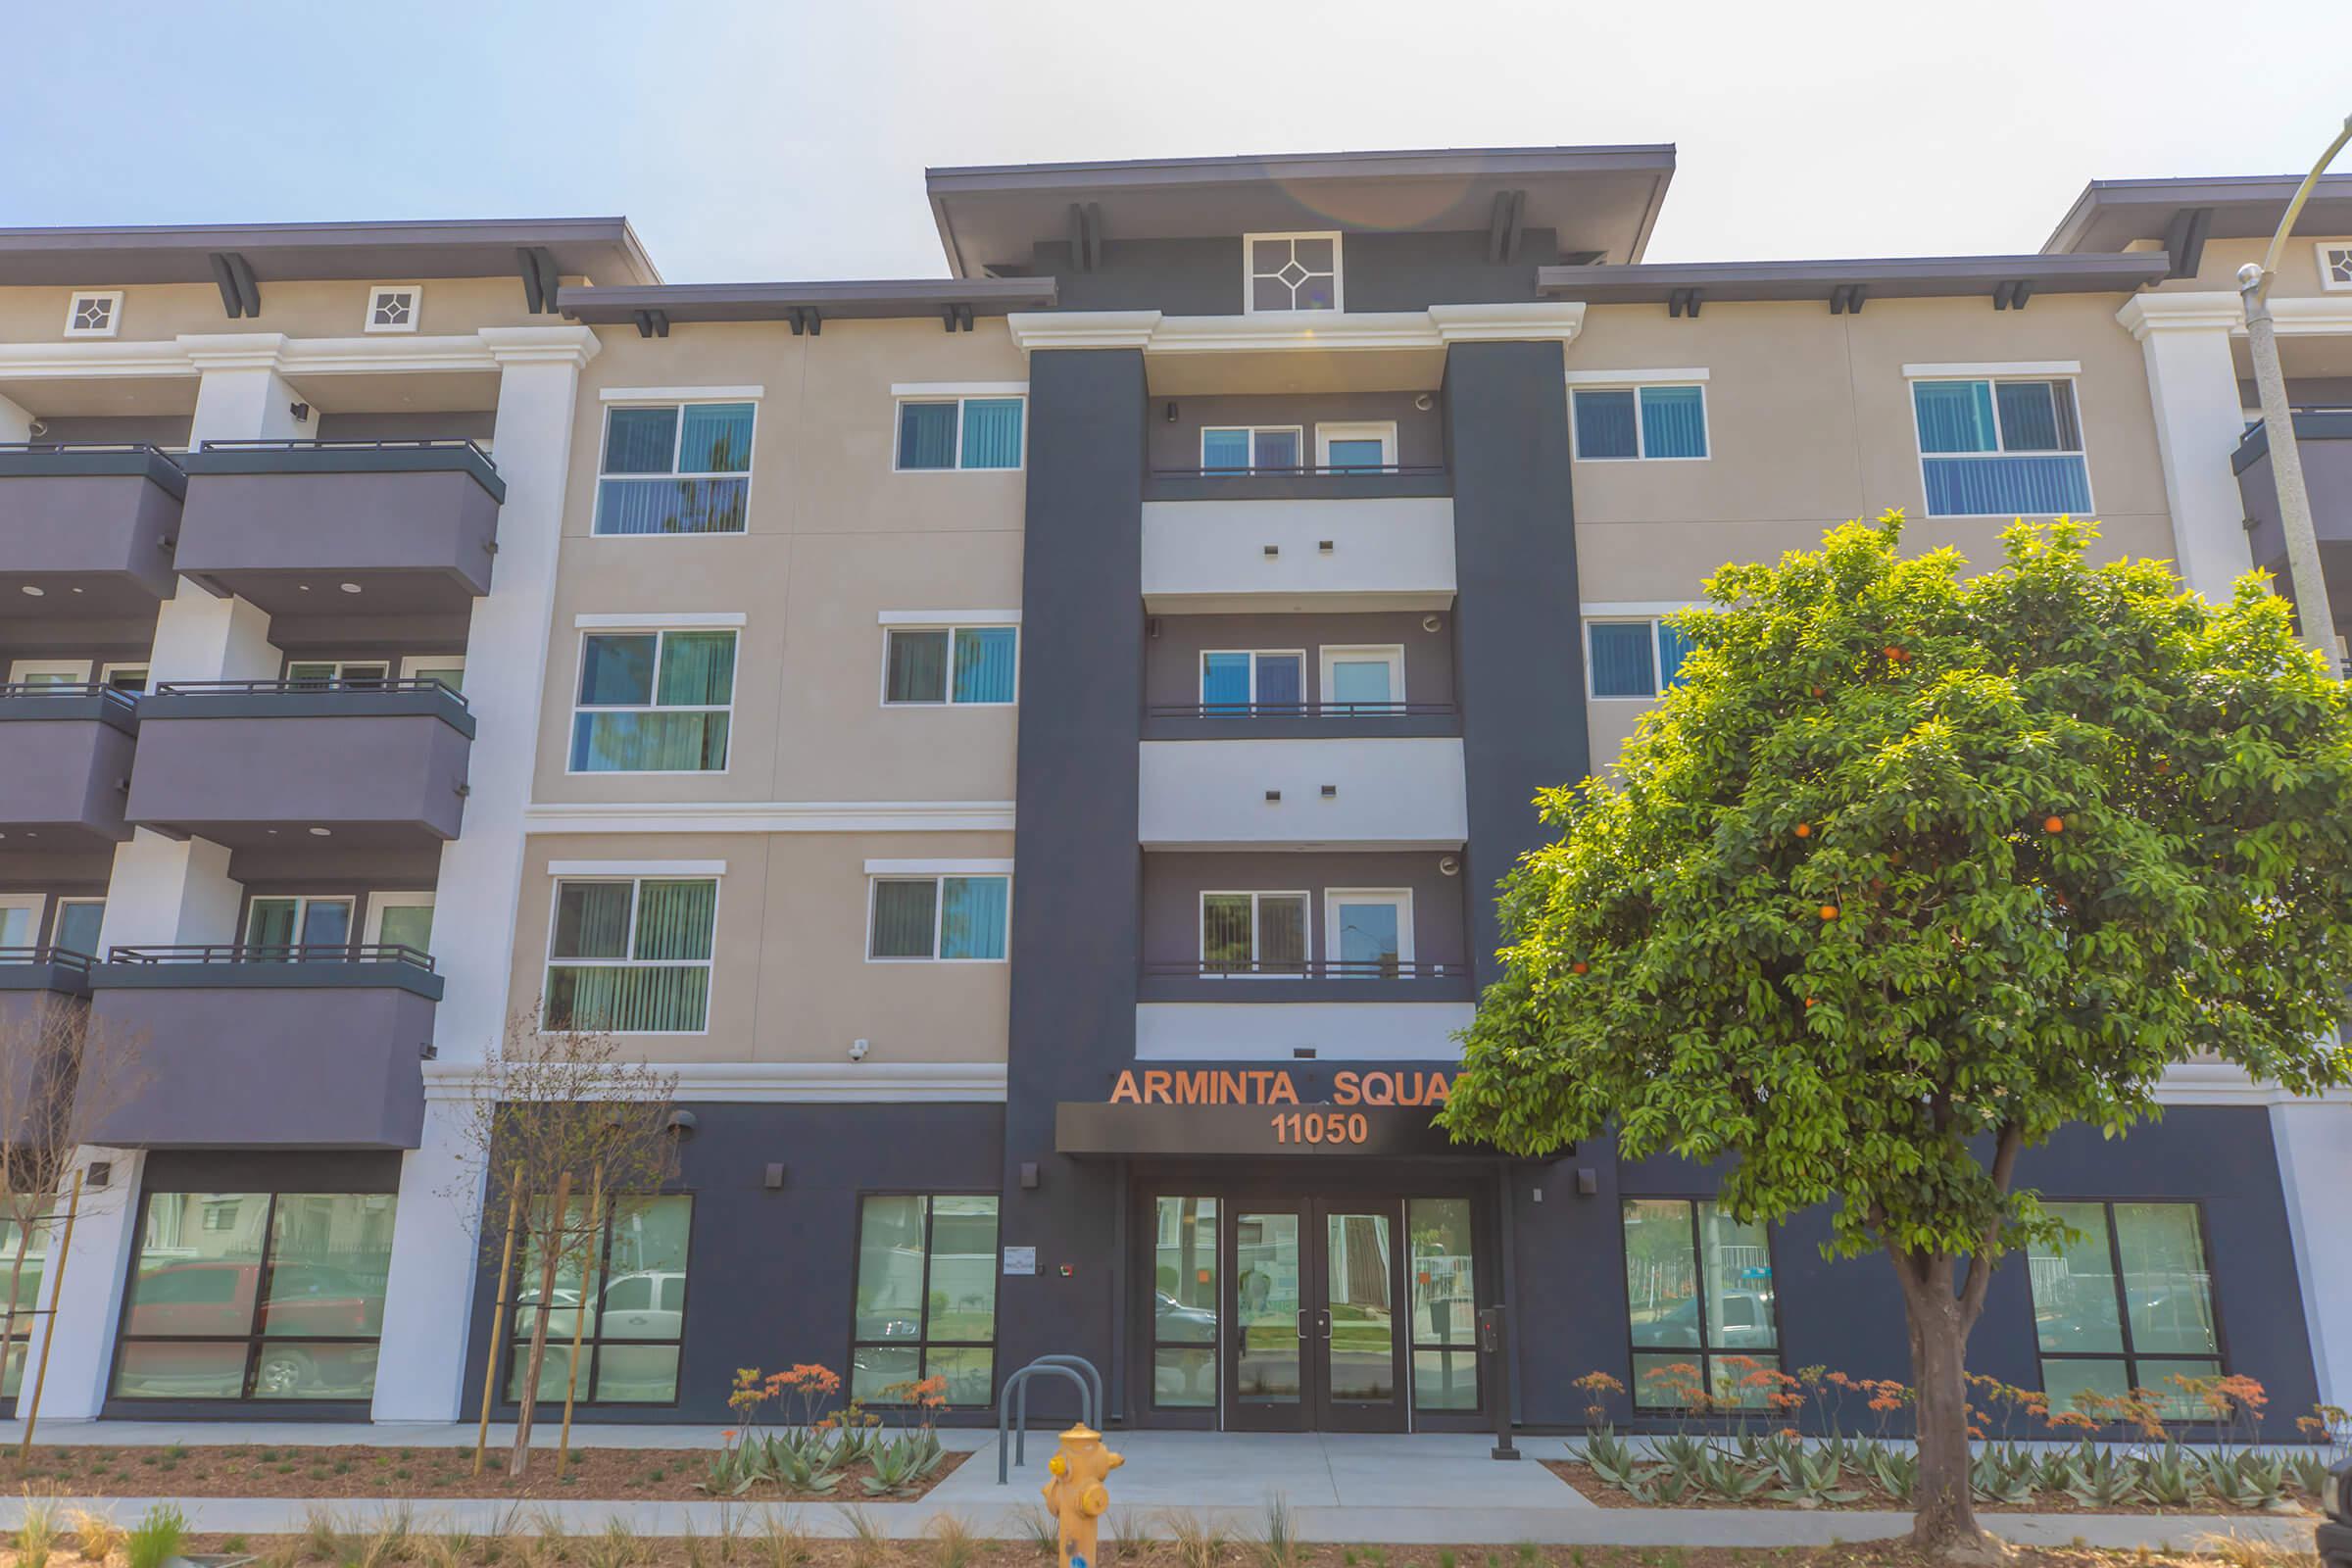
(1077, 1494)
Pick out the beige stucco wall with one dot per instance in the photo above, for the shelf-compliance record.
(790, 978)
(2297, 277)
(833, 538)
(158, 312)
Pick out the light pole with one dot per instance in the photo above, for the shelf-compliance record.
(2279, 422)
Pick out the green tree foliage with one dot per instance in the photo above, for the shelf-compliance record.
(1912, 870)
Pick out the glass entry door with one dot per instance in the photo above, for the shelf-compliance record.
(1314, 1340)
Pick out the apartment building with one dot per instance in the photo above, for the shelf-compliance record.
(1031, 751)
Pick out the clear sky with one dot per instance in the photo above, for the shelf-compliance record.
(768, 141)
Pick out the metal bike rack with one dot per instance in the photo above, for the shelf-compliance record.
(1090, 1403)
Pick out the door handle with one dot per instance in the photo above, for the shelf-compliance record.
(1326, 1317)
(1303, 1323)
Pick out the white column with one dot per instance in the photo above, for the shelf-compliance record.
(429, 1297)
(16, 421)
(2314, 1139)
(90, 1300)
(2192, 381)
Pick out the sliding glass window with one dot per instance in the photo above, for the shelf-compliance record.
(676, 468)
(947, 433)
(2000, 449)
(654, 701)
(631, 955)
(963, 665)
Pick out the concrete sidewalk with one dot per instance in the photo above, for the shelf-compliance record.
(1431, 1489)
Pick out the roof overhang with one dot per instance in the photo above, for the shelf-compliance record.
(602, 249)
(2112, 214)
(1847, 284)
(955, 302)
(1602, 199)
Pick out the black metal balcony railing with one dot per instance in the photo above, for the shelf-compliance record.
(450, 443)
(52, 958)
(111, 696)
(1250, 711)
(1297, 471)
(93, 448)
(227, 952)
(1308, 969)
(309, 687)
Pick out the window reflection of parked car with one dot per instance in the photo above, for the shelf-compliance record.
(1738, 1320)
(199, 1299)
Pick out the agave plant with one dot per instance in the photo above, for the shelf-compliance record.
(2004, 1473)
(2245, 1479)
(1611, 1457)
(1810, 1478)
(2169, 1478)
(2309, 1468)
(901, 1462)
(1894, 1470)
(1726, 1478)
(2104, 1479)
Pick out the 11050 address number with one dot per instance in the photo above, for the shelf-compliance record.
(1321, 1127)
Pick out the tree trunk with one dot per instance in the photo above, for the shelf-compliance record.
(1943, 1521)
(549, 1251)
(16, 1286)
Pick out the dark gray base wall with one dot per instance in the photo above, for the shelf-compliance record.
(771, 1274)
(1847, 1315)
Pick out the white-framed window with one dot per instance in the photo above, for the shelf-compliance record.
(1363, 680)
(20, 919)
(1654, 422)
(1256, 935)
(401, 919)
(943, 918)
(125, 677)
(1246, 680)
(946, 434)
(1289, 274)
(39, 672)
(447, 669)
(654, 701)
(2001, 447)
(937, 667)
(2336, 265)
(1251, 447)
(95, 313)
(675, 467)
(1363, 444)
(76, 923)
(1632, 656)
(339, 674)
(297, 922)
(631, 955)
(394, 307)
(1368, 933)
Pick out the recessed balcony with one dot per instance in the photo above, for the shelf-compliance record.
(70, 752)
(353, 527)
(304, 1047)
(86, 530)
(2324, 439)
(271, 763)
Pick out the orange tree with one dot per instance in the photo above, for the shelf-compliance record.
(1910, 871)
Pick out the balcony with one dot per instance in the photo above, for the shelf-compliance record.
(1401, 793)
(1404, 1025)
(88, 531)
(1300, 721)
(2323, 438)
(70, 751)
(370, 527)
(274, 1048)
(1317, 980)
(41, 993)
(258, 763)
(1298, 540)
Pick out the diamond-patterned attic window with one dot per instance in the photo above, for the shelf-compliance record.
(1293, 272)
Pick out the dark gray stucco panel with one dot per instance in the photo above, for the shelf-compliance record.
(274, 1066)
(392, 778)
(31, 1021)
(257, 534)
(1075, 925)
(109, 534)
(64, 777)
(1403, 272)
(1519, 654)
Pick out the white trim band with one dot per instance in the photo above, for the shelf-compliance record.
(680, 394)
(1634, 377)
(769, 817)
(1940, 372)
(657, 620)
(958, 389)
(636, 868)
(1602, 609)
(2225, 1083)
(948, 617)
(939, 868)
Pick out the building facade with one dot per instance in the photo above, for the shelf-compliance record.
(1031, 751)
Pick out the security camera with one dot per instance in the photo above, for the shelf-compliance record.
(857, 1049)
(1448, 866)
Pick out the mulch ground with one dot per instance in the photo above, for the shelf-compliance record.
(1598, 1490)
(790, 1550)
(366, 1471)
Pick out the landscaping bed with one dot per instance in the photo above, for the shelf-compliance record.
(1602, 1494)
(255, 1470)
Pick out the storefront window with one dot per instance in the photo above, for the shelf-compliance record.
(1698, 1290)
(256, 1295)
(1184, 1303)
(632, 1274)
(18, 1330)
(926, 1297)
(1444, 1304)
(2104, 1332)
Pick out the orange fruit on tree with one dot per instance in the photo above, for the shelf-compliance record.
(2053, 824)
(1804, 830)
(1829, 911)
(1579, 967)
